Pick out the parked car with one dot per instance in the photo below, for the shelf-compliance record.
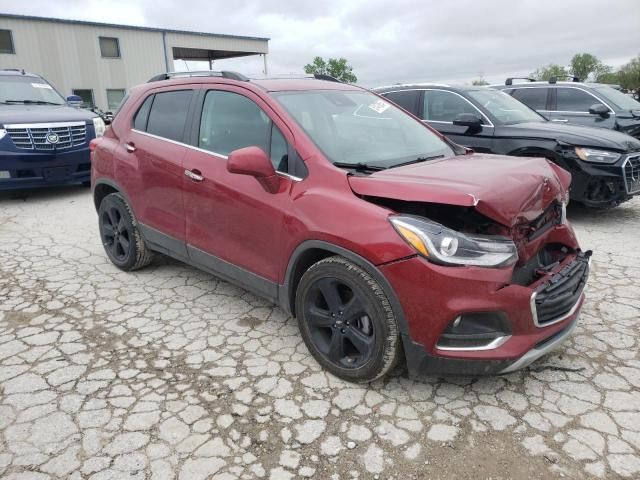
(605, 165)
(590, 104)
(43, 141)
(386, 241)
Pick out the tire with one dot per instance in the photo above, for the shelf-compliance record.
(120, 236)
(346, 321)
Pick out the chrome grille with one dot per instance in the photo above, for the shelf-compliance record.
(34, 136)
(631, 169)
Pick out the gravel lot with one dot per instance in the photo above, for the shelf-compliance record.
(171, 373)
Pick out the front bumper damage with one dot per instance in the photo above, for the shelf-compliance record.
(528, 336)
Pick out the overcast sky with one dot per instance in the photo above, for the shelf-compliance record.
(388, 41)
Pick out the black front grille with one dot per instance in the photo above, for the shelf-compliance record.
(555, 299)
(36, 137)
(631, 169)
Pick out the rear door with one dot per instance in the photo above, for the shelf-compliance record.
(156, 145)
(536, 98)
(440, 107)
(571, 105)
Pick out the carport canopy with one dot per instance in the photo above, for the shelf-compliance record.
(199, 54)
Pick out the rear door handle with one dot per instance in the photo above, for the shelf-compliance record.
(560, 120)
(194, 175)
(130, 146)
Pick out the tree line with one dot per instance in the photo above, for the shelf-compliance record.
(588, 67)
(585, 66)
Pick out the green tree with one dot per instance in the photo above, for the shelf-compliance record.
(479, 82)
(338, 68)
(629, 75)
(585, 64)
(548, 71)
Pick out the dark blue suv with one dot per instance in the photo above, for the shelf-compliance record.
(43, 140)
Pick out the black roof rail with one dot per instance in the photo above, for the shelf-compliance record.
(555, 78)
(509, 81)
(324, 76)
(200, 73)
(21, 70)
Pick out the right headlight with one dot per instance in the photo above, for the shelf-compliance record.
(597, 156)
(445, 246)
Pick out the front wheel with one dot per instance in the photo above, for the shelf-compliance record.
(346, 320)
(120, 236)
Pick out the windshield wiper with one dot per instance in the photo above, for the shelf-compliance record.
(360, 167)
(417, 160)
(32, 102)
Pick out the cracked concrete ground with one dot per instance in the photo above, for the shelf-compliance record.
(171, 373)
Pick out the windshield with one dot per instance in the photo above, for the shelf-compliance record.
(620, 100)
(361, 128)
(504, 107)
(23, 89)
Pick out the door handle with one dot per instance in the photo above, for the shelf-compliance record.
(560, 120)
(194, 175)
(130, 146)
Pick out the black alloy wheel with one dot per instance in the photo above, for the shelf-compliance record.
(115, 236)
(339, 324)
(346, 320)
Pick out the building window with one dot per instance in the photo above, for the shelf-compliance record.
(114, 98)
(109, 47)
(86, 95)
(6, 42)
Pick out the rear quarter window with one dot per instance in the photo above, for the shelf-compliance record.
(142, 115)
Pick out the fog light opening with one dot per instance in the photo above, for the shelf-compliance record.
(475, 331)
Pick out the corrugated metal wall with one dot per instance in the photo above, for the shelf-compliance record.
(68, 55)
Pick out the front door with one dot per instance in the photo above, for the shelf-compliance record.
(233, 224)
(440, 108)
(571, 105)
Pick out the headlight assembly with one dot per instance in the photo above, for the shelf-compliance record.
(442, 245)
(99, 126)
(597, 156)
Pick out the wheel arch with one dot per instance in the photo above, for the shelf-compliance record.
(535, 152)
(104, 187)
(312, 251)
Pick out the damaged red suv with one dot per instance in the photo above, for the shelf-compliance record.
(386, 241)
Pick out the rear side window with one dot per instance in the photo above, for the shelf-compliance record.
(140, 120)
(535, 98)
(231, 121)
(407, 99)
(574, 100)
(168, 114)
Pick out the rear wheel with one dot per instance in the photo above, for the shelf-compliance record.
(120, 236)
(346, 320)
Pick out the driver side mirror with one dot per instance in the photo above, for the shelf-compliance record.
(599, 109)
(468, 120)
(74, 100)
(254, 162)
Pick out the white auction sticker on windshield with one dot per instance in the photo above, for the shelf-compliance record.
(379, 106)
(42, 85)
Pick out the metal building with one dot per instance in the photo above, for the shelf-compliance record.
(101, 61)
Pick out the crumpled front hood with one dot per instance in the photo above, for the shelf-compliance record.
(10, 114)
(577, 135)
(508, 190)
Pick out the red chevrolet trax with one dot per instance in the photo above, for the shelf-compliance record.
(385, 240)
